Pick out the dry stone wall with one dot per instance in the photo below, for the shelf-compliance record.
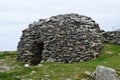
(112, 37)
(63, 38)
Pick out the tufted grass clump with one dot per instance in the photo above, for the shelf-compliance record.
(110, 57)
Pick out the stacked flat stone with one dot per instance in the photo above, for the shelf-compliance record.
(112, 37)
(63, 38)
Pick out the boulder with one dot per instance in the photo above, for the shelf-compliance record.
(104, 73)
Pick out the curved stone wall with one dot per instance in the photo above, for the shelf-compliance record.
(62, 38)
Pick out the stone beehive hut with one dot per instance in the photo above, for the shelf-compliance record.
(62, 38)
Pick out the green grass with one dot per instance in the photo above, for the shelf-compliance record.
(58, 71)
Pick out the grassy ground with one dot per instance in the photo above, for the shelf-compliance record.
(10, 69)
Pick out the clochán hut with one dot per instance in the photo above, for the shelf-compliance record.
(62, 38)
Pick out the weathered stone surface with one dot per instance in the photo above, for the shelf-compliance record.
(104, 73)
(4, 68)
(112, 37)
(62, 38)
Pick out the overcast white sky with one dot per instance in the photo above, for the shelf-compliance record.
(15, 15)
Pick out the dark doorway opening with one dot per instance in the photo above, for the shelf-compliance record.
(38, 48)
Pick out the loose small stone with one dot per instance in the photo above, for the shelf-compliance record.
(26, 65)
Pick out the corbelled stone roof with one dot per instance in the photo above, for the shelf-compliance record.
(63, 38)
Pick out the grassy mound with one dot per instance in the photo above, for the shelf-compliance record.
(10, 69)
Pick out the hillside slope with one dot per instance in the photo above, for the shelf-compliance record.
(10, 69)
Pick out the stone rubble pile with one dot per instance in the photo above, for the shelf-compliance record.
(63, 38)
